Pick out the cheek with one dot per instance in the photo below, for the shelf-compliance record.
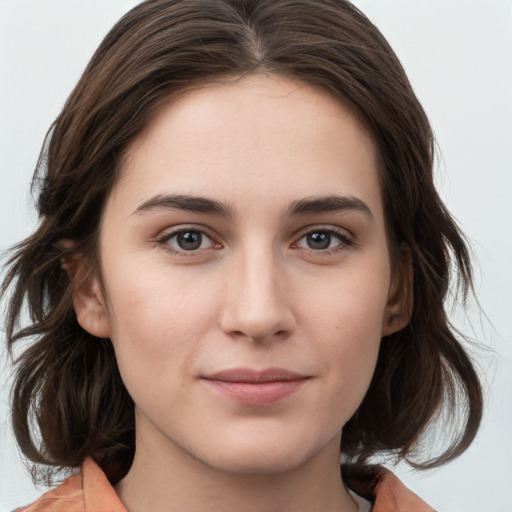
(351, 357)
(351, 304)
(351, 349)
(157, 323)
(348, 319)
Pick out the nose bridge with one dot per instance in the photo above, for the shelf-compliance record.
(256, 306)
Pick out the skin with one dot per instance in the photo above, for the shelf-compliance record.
(259, 292)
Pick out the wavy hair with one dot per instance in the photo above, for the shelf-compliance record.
(68, 399)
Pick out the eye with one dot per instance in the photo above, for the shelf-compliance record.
(323, 240)
(187, 240)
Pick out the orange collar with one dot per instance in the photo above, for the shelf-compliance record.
(90, 491)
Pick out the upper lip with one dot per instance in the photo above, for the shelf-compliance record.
(248, 375)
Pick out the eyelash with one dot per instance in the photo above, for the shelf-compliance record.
(344, 241)
(163, 241)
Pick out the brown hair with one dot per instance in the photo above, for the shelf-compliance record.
(67, 381)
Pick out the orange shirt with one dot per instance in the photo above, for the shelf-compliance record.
(90, 491)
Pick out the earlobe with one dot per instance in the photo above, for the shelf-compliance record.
(88, 298)
(400, 300)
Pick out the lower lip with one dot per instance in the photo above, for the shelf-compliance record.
(260, 393)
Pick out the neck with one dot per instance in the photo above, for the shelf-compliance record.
(174, 481)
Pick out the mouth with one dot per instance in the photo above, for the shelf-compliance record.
(256, 387)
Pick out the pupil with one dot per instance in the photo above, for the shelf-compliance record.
(319, 240)
(190, 240)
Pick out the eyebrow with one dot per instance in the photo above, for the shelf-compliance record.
(187, 203)
(328, 204)
(306, 206)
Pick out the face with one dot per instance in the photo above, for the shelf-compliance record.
(246, 275)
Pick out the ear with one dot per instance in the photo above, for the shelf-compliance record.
(88, 297)
(400, 299)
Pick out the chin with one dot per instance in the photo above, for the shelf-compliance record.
(260, 455)
(261, 463)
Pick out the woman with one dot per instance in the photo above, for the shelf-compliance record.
(240, 267)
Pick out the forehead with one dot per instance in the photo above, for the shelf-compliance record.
(262, 135)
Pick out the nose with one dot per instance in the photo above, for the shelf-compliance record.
(257, 306)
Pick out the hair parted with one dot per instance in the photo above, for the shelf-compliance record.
(67, 384)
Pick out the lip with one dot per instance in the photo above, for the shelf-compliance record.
(253, 387)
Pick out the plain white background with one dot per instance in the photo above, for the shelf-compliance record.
(458, 54)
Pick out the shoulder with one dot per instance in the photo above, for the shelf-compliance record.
(89, 491)
(383, 489)
(67, 496)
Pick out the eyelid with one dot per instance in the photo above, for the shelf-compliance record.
(345, 236)
(163, 239)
